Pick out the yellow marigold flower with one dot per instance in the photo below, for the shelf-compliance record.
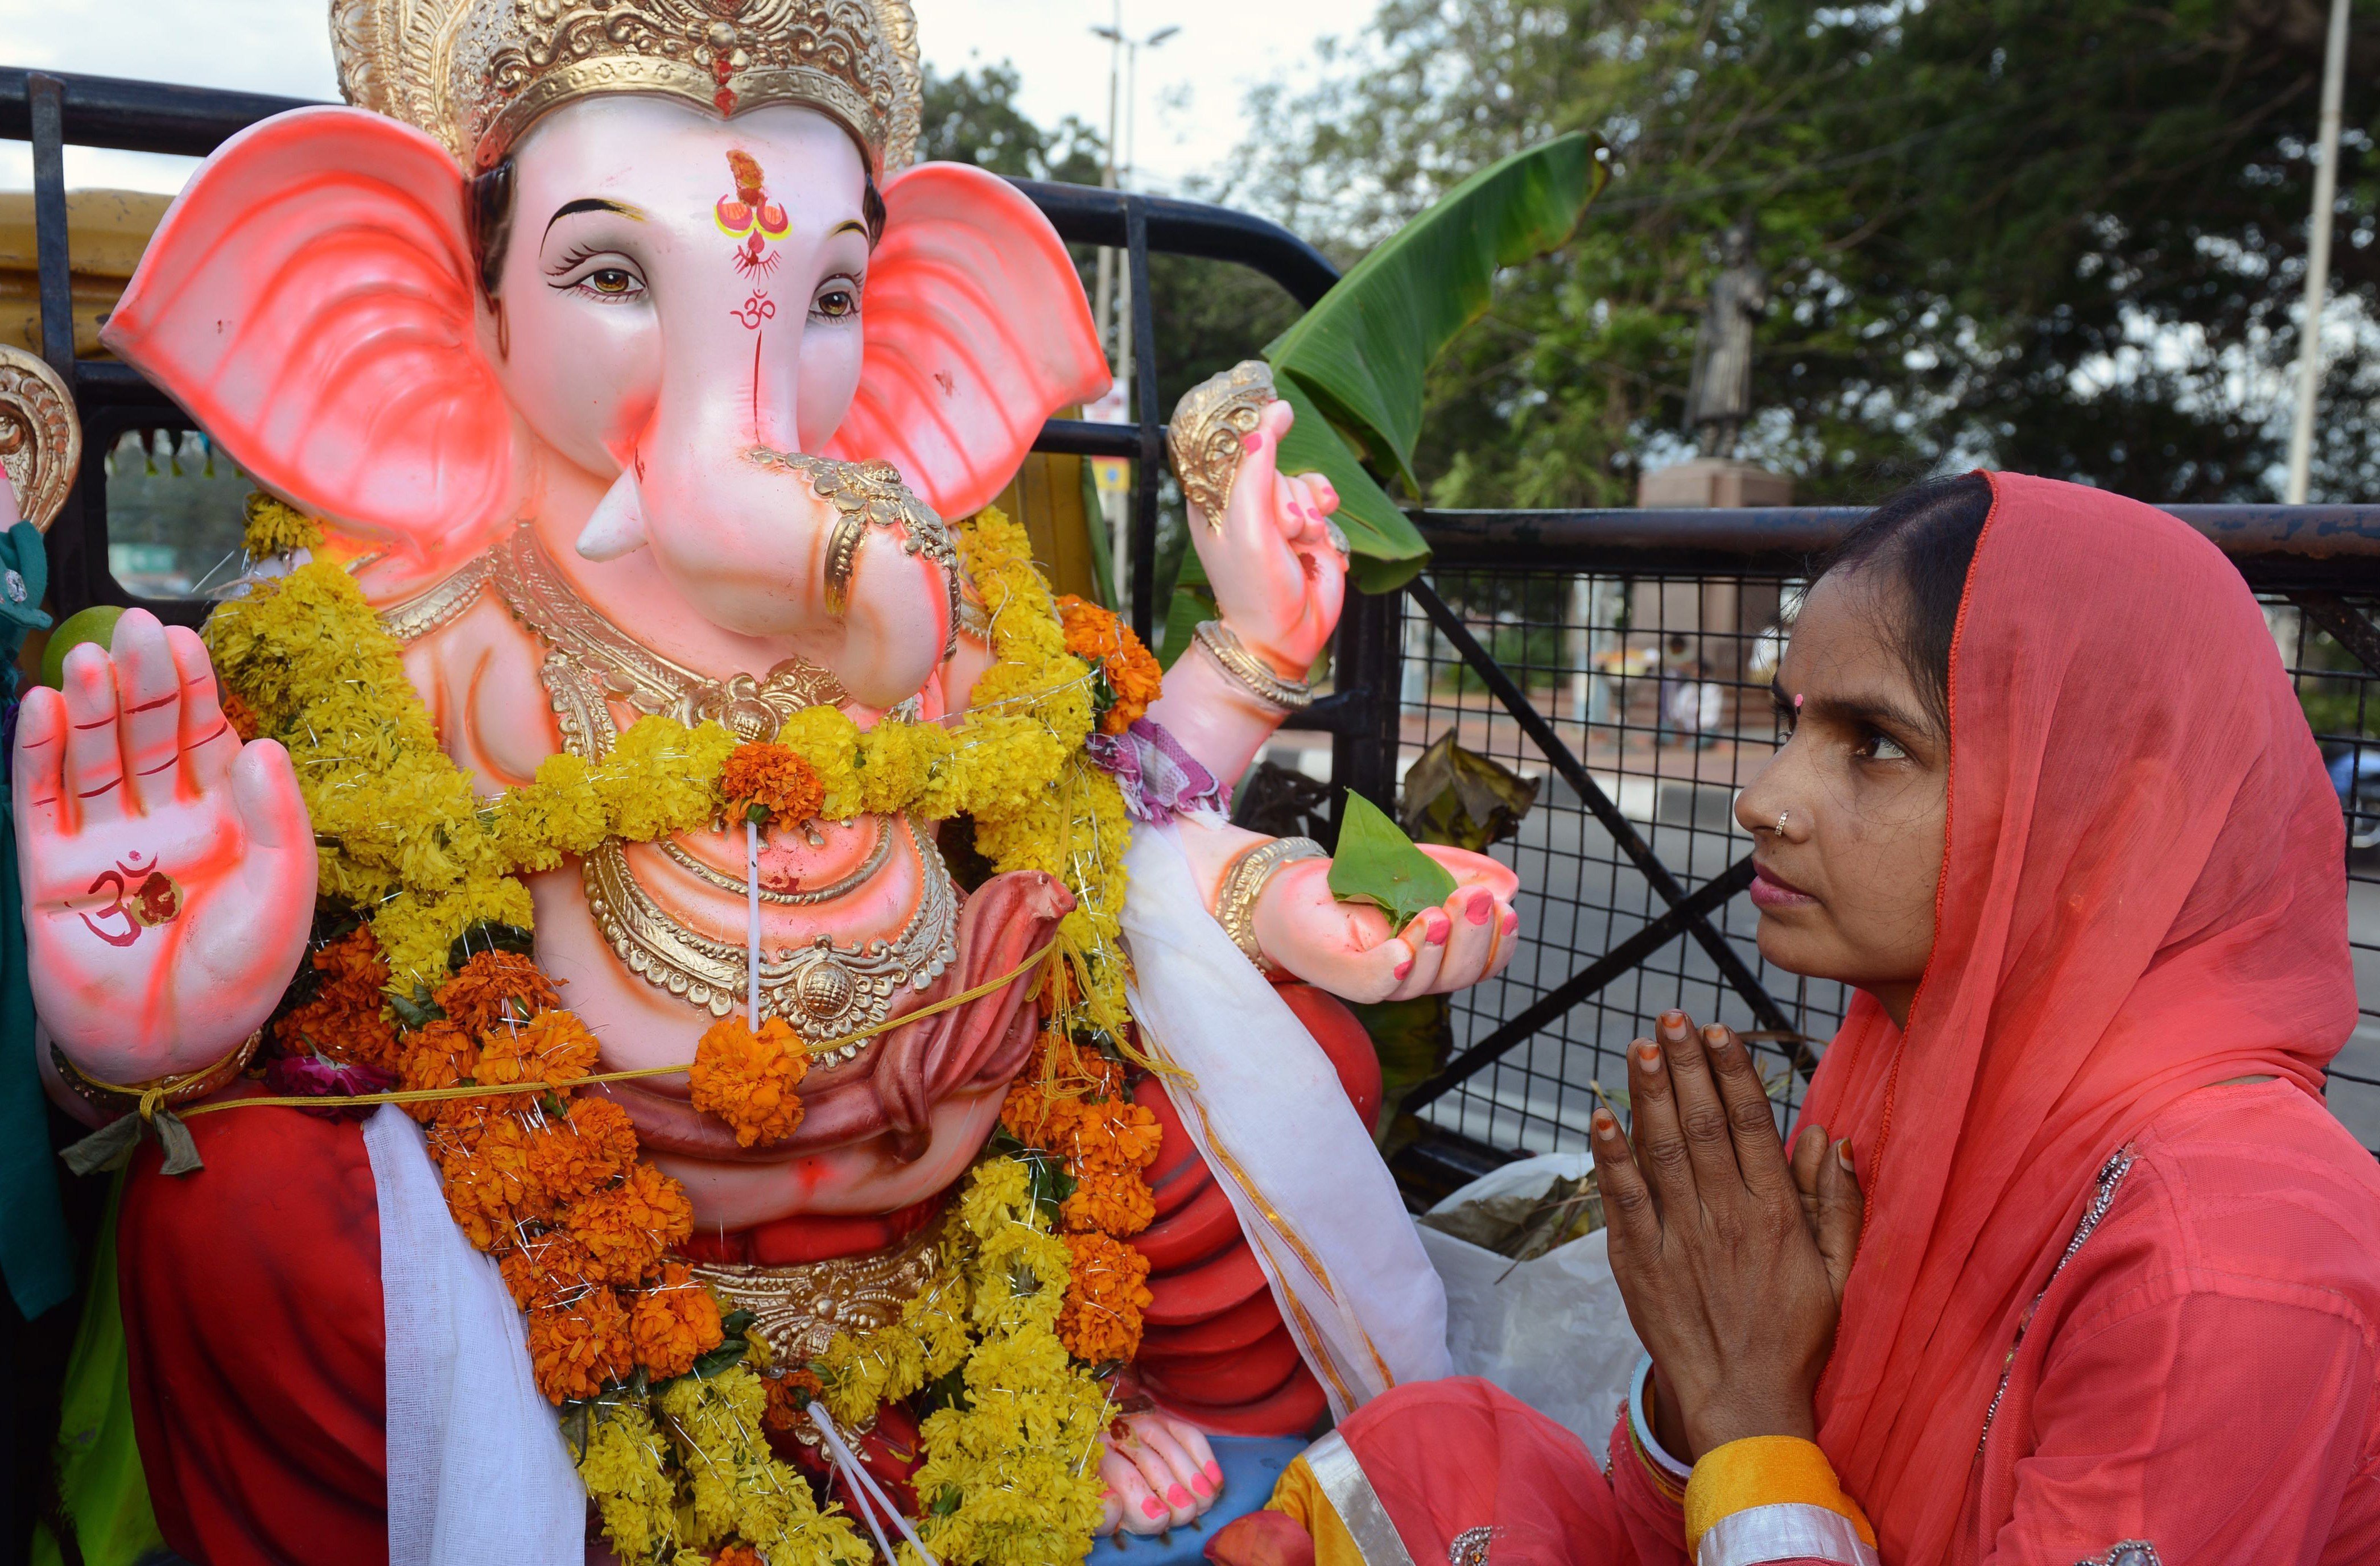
(747, 1079)
(673, 1322)
(553, 1045)
(577, 1349)
(275, 527)
(622, 1469)
(627, 1228)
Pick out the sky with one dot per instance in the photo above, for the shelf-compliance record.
(1191, 89)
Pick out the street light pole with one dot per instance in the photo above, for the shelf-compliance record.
(2325, 191)
(1112, 303)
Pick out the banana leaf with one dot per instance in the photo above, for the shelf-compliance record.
(1359, 356)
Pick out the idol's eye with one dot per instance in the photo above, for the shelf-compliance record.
(607, 276)
(837, 299)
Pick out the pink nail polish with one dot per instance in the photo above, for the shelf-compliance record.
(1480, 907)
(1511, 921)
(1149, 1507)
(1440, 927)
(1177, 1496)
(1250, 442)
(1403, 968)
(1203, 1486)
(1214, 1472)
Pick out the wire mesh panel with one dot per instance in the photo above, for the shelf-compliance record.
(2342, 706)
(1659, 687)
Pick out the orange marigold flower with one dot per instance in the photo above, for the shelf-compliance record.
(577, 1348)
(240, 715)
(747, 1079)
(627, 1228)
(565, 1163)
(603, 1122)
(495, 988)
(1099, 1323)
(674, 1322)
(549, 1047)
(342, 1022)
(790, 1395)
(1118, 1134)
(1099, 637)
(1109, 1202)
(546, 1270)
(489, 1188)
(771, 783)
(739, 1555)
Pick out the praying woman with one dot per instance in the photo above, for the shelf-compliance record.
(2066, 1262)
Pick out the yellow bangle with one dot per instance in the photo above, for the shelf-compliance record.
(1765, 1471)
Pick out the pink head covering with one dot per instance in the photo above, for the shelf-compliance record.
(2142, 893)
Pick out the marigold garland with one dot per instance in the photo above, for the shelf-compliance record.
(665, 1403)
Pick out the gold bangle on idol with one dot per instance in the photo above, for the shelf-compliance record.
(1209, 430)
(1251, 672)
(164, 1092)
(1243, 881)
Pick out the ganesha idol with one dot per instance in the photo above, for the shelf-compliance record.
(922, 1121)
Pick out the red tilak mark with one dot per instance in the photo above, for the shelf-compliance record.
(101, 789)
(755, 383)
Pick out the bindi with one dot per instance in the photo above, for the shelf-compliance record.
(747, 215)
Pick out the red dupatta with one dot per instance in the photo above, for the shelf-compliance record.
(2142, 893)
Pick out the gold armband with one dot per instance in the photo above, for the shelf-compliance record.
(1243, 881)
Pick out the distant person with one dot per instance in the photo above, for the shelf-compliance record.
(2068, 1262)
(1677, 674)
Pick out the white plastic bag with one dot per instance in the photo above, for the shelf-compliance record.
(1550, 1331)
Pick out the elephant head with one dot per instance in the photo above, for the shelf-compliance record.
(644, 301)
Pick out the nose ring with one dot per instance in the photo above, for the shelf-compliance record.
(1780, 821)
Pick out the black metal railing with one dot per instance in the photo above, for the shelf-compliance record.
(1543, 638)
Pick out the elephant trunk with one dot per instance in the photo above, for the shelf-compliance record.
(744, 538)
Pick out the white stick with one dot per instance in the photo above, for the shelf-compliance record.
(856, 1472)
(752, 924)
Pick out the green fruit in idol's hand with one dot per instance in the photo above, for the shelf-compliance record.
(96, 624)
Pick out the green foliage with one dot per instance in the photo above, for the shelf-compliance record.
(972, 118)
(2059, 235)
(1377, 863)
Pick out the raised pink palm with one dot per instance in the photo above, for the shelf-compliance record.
(168, 871)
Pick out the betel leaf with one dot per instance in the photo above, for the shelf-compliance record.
(1377, 863)
(1360, 353)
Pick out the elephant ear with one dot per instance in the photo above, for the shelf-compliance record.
(978, 330)
(309, 299)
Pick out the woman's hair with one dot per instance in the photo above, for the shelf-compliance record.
(487, 206)
(1922, 538)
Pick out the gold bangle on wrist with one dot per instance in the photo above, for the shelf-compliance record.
(169, 1092)
(1243, 881)
(1246, 667)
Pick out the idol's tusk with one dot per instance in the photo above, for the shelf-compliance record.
(616, 526)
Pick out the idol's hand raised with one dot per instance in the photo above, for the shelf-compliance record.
(1730, 1260)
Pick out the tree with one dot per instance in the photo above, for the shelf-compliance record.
(2064, 235)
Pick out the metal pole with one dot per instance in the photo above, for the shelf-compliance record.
(2326, 188)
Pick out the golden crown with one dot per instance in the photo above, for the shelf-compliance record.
(476, 73)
